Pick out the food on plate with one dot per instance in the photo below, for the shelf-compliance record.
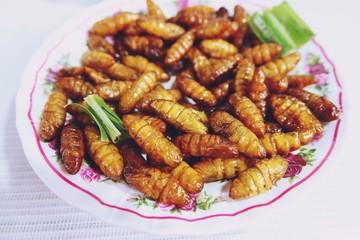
(170, 103)
(104, 153)
(53, 115)
(205, 145)
(259, 178)
(72, 147)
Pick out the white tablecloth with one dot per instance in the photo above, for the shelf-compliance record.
(329, 209)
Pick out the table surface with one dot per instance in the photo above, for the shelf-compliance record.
(329, 209)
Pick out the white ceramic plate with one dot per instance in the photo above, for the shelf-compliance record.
(117, 203)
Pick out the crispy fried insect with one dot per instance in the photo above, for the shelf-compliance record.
(280, 143)
(77, 71)
(180, 117)
(283, 64)
(157, 94)
(259, 178)
(222, 90)
(112, 25)
(72, 149)
(53, 115)
(195, 15)
(75, 88)
(96, 59)
(247, 142)
(320, 106)
(293, 115)
(142, 65)
(150, 47)
(222, 12)
(206, 145)
(154, 11)
(164, 30)
(156, 184)
(277, 83)
(241, 17)
(105, 154)
(217, 48)
(95, 76)
(198, 60)
(139, 88)
(263, 53)
(179, 49)
(248, 113)
(194, 90)
(213, 28)
(122, 72)
(258, 91)
(244, 76)
(215, 169)
(188, 178)
(112, 91)
(99, 43)
(153, 143)
(300, 81)
(218, 70)
(120, 47)
(273, 127)
(157, 123)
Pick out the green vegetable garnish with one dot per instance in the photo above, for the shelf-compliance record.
(281, 24)
(110, 125)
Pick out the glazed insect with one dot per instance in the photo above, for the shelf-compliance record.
(142, 65)
(280, 143)
(154, 11)
(241, 17)
(156, 184)
(153, 143)
(320, 106)
(198, 60)
(148, 46)
(218, 70)
(258, 91)
(53, 115)
(244, 75)
(105, 154)
(75, 88)
(164, 30)
(194, 90)
(95, 76)
(157, 94)
(215, 169)
(99, 43)
(206, 145)
(180, 117)
(259, 178)
(192, 16)
(72, 149)
(222, 90)
(282, 65)
(122, 72)
(139, 88)
(248, 113)
(157, 123)
(188, 178)
(263, 53)
(300, 81)
(112, 25)
(247, 142)
(277, 83)
(294, 115)
(213, 28)
(111, 91)
(217, 48)
(97, 60)
(179, 49)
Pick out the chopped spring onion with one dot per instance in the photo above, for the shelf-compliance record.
(110, 125)
(281, 24)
